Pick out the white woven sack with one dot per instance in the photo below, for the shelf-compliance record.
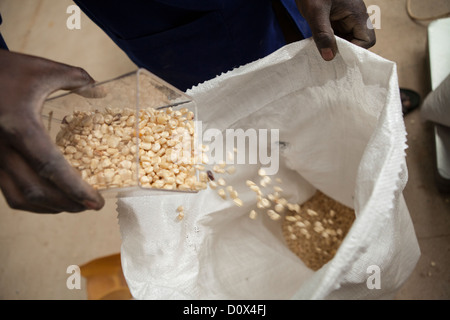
(341, 131)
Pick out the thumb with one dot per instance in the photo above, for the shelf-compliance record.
(318, 17)
(59, 76)
(71, 78)
(76, 79)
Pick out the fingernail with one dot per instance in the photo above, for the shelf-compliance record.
(91, 205)
(327, 54)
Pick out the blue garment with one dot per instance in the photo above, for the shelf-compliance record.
(2, 41)
(186, 42)
(301, 23)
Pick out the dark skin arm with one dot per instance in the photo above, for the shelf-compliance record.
(34, 175)
(347, 19)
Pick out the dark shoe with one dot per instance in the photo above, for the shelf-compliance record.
(410, 100)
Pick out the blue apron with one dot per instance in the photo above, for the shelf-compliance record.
(186, 42)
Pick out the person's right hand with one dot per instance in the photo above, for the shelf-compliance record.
(34, 175)
(347, 19)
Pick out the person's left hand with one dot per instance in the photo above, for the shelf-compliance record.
(347, 19)
(34, 174)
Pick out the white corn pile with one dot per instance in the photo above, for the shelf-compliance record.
(117, 148)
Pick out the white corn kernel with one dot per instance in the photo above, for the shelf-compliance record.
(146, 146)
(109, 174)
(277, 189)
(256, 189)
(265, 203)
(238, 202)
(233, 194)
(156, 146)
(158, 184)
(203, 177)
(231, 170)
(265, 181)
(184, 187)
(70, 150)
(125, 164)
(106, 163)
(250, 183)
(212, 184)
(218, 169)
(144, 180)
(222, 193)
(299, 224)
(273, 215)
(279, 208)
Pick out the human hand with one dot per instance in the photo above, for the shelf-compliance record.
(347, 19)
(34, 175)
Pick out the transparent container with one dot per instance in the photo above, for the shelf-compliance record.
(126, 134)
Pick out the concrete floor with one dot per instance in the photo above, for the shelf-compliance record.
(35, 250)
